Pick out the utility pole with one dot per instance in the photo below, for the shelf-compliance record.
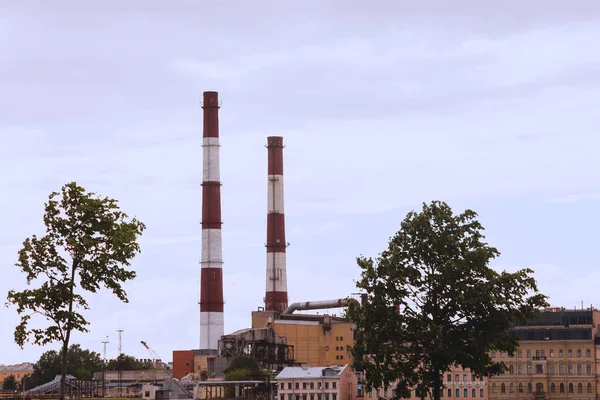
(104, 342)
(119, 366)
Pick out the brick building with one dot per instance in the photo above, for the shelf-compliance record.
(317, 383)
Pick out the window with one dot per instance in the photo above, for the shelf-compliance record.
(473, 392)
(337, 357)
(304, 396)
(341, 338)
(511, 369)
(297, 397)
(520, 353)
(341, 357)
(501, 354)
(529, 387)
(511, 388)
(560, 353)
(337, 338)
(539, 369)
(334, 396)
(312, 396)
(464, 377)
(283, 385)
(578, 352)
(589, 388)
(551, 353)
(304, 385)
(528, 368)
(472, 377)
(588, 369)
(569, 353)
(466, 392)
(528, 353)
(502, 388)
(290, 385)
(370, 395)
(312, 385)
(290, 396)
(326, 396)
(561, 388)
(457, 377)
(552, 388)
(147, 393)
(449, 378)
(493, 388)
(318, 385)
(579, 388)
(588, 352)
(543, 353)
(520, 368)
(579, 369)
(551, 368)
(319, 397)
(570, 369)
(327, 387)
(571, 388)
(561, 368)
(480, 392)
(297, 385)
(521, 387)
(449, 392)
(457, 393)
(493, 354)
(334, 385)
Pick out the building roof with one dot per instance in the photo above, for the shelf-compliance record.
(311, 372)
(23, 367)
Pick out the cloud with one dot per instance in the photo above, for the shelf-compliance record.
(574, 198)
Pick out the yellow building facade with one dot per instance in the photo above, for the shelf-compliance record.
(317, 339)
(18, 370)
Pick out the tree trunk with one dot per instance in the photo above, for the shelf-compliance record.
(63, 367)
(437, 382)
(64, 359)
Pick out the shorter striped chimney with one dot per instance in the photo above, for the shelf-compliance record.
(276, 298)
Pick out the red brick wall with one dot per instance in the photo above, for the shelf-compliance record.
(183, 363)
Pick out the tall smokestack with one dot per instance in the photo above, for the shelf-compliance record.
(276, 298)
(211, 276)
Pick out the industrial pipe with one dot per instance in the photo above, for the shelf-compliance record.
(319, 305)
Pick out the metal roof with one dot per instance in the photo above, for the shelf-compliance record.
(309, 372)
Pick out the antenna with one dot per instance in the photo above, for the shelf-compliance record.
(105, 342)
(120, 331)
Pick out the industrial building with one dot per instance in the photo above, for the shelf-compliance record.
(277, 337)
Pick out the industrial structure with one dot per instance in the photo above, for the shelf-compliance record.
(276, 297)
(211, 276)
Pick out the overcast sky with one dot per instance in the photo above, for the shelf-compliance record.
(487, 105)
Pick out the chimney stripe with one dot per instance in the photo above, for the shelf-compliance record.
(276, 298)
(211, 272)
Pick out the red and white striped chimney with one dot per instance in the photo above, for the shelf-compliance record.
(211, 276)
(276, 298)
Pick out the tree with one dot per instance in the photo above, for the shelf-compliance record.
(88, 243)
(434, 302)
(128, 363)
(80, 363)
(10, 383)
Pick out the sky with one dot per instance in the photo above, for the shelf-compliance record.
(490, 106)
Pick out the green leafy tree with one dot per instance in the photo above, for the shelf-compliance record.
(433, 302)
(81, 363)
(88, 244)
(128, 363)
(10, 383)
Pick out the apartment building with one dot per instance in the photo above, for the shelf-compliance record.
(317, 383)
(556, 359)
(18, 370)
(459, 383)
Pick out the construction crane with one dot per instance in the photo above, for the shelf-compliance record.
(154, 354)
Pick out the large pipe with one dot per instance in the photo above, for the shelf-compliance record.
(276, 296)
(321, 304)
(211, 276)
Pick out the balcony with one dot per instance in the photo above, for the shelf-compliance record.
(539, 358)
(539, 395)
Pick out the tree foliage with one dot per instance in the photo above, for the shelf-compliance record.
(244, 367)
(433, 302)
(88, 244)
(128, 363)
(10, 383)
(81, 363)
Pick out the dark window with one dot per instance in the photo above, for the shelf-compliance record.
(480, 392)
(334, 384)
(449, 392)
(466, 393)
(449, 378)
(473, 392)
(457, 393)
